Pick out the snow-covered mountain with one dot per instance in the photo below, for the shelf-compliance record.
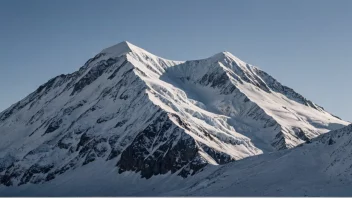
(129, 109)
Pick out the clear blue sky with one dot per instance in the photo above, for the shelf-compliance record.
(306, 45)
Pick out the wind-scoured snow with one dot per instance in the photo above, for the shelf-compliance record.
(136, 113)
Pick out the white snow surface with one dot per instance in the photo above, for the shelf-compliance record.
(316, 169)
(83, 122)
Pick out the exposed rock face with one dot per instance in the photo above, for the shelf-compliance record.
(153, 116)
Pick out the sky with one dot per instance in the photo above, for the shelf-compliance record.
(305, 45)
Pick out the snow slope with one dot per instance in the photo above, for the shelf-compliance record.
(319, 168)
(133, 111)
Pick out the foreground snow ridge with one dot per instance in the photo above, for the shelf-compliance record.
(131, 111)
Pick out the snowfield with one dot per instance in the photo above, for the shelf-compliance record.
(132, 123)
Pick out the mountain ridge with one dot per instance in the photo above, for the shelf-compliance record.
(152, 115)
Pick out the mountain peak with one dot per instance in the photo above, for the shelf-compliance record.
(154, 116)
(120, 48)
(228, 55)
